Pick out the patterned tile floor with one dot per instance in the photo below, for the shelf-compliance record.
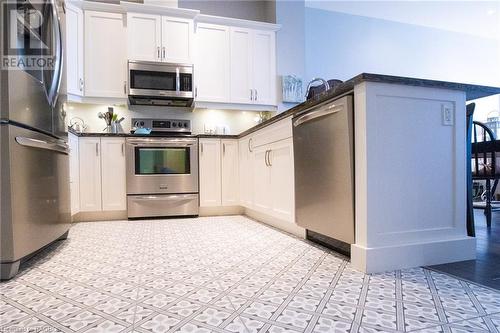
(226, 274)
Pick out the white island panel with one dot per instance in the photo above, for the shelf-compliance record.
(410, 177)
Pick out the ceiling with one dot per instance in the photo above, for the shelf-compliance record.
(480, 18)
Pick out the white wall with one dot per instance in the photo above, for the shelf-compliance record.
(341, 46)
(235, 120)
(290, 42)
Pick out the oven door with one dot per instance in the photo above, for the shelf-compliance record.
(152, 79)
(162, 165)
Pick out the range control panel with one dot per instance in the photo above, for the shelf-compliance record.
(163, 125)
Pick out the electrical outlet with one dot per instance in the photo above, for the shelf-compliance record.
(447, 115)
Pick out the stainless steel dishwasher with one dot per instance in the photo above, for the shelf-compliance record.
(323, 143)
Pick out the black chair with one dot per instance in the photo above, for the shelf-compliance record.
(471, 229)
(485, 150)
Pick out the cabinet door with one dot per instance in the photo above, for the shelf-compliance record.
(177, 39)
(230, 173)
(74, 173)
(114, 195)
(246, 173)
(210, 172)
(74, 50)
(105, 55)
(241, 66)
(264, 67)
(261, 181)
(280, 158)
(212, 63)
(90, 174)
(144, 37)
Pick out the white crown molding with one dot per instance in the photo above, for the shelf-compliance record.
(237, 22)
(97, 6)
(159, 10)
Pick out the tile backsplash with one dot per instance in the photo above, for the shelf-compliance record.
(235, 121)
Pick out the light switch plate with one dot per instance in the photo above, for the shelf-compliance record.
(448, 115)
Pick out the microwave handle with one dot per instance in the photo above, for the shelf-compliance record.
(177, 80)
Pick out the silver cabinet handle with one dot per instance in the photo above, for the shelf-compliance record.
(96, 149)
(123, 149)
(223, 149)
(158, 52)
(256, 96)
(125, 87)
(265, 158)
(250, 141)
(251, 94)
(81, 84)
(164, 52)
(196, 92)
(333, 108)
(269, 157)
(201, 146)
(59, 147)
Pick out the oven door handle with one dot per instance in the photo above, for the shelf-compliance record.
(162, 143)
(162, 198)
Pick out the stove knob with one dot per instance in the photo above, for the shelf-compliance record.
(142, 123)
(186, 125)
(174, 124)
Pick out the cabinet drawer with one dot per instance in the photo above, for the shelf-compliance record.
(280, 130)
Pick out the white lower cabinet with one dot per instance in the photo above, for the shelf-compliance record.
(246, 172)
(74, 173)
(230, 172)
(210, 173)
(90, 174)
(102, 174)
(273, 180)
(113, 174)
(219, 173)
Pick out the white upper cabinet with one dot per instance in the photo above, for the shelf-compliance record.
(212, 64)
(105, 55)
(210, 172)
(114, 193)
(177, 39)
(144, 37)
(230, 173)
(251, 69)
(74, 50)
(264, 67)
(241, 66)
(159, 38)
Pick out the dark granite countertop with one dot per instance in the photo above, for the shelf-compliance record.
(472, 92)
(130, 135)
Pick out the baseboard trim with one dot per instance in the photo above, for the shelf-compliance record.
(277, 223)
(219, 211)
(99, 216)
(388, 258)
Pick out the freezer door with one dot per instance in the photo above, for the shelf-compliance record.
(35, 200)
(324, 169)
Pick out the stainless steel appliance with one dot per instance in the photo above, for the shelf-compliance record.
(324, 172)
(162, 170)
(160, 84)
(34, 165)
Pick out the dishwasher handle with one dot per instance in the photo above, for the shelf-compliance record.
(58, 147)
(324, 111)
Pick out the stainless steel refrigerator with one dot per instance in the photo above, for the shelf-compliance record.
(34, 165)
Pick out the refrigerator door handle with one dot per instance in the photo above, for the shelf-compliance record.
(58, 147)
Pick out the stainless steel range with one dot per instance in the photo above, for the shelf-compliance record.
(162, 170)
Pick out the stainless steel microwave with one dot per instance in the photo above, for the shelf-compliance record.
(160, 84)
